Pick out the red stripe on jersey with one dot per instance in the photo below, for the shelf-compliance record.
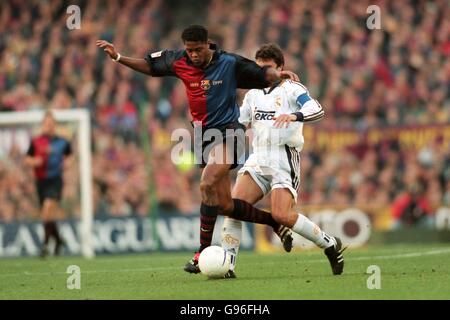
(192, 78)
(41, 147)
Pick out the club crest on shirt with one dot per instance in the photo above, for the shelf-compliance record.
(278, 101)
(205, 84)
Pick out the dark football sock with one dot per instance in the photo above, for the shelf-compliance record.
(56, 232)
(53, 230)
(208, 217)
(47, 232)
(244, 211)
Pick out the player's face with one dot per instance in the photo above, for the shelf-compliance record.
(198, 52)
(48, 126)
(269, 63)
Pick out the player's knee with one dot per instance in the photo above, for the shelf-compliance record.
(208, 188)
(210, 180)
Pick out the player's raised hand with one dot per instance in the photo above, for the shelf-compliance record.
(286, 74)
(107, 47)
(273, 75)
(283, 120)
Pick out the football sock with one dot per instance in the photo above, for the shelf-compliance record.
(47, 232)
(244, 211)
(231, 238)
(308, 229)
(208, 217)
(55, 231)
(51, 230)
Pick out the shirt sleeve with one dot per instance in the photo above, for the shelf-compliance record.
(310, 108)
(249, 75)
(161, 62)
(295, 90)
(245, 110)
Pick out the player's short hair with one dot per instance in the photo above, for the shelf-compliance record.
(271, 51)
(195, 33)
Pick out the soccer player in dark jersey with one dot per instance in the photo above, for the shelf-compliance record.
(211, 77)
(46, 156)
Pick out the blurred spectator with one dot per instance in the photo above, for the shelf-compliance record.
(412, 208)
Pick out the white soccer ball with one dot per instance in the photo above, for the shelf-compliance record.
(214, 262)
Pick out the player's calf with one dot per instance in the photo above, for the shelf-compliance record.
(283, 214)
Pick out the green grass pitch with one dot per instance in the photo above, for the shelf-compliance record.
(407, 272)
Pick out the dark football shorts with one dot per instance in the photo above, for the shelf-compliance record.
(49, 188)
(232, 134)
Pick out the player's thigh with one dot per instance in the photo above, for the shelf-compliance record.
(247, 189)
(217, 166)
(222, 154)
(50, 191)
(213, 179)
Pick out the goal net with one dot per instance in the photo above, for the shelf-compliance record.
(16, 131)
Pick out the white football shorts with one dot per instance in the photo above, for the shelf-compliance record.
(274, 168)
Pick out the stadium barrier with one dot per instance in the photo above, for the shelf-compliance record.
(115, 236)
(355, 226)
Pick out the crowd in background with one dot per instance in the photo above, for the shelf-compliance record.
(398, 75)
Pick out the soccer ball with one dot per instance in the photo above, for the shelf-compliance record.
(214, 262)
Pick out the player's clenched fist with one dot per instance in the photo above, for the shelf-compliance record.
(108, 48)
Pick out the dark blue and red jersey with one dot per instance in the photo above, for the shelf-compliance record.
(52, 150)
(211, 91)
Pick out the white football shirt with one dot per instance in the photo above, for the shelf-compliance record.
(261, 105)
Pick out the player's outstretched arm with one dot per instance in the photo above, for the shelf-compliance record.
(33, 161)
(250, 75)
(136, 64)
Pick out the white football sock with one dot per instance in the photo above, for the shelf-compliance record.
(308, 229)
(231, 238)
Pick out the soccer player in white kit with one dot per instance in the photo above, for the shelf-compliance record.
(276, 115)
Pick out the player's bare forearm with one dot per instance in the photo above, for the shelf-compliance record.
(33, 161)
(136, 64)
(273, 75)
(283, 120)
(68, 162)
